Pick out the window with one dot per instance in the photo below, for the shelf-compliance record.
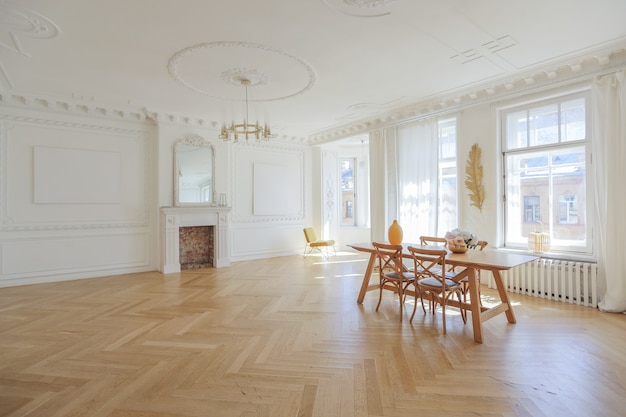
(347, 192)
(448, 217)
(568, 209)
(546, 152)
(532, 209)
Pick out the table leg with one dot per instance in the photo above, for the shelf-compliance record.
(504, 297)
(477, 322)
(366, 278)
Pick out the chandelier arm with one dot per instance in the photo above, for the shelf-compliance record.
(246, 129)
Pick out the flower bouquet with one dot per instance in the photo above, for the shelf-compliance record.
(460, 240)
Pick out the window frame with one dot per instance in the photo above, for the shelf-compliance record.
(564, 141)
(447, 169)
(354, 222)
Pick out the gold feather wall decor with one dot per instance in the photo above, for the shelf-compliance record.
(474, 177)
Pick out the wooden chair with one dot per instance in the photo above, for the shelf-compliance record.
(323, 246)
(433, 240)
(391, 271)
(480, 245)
(433, 282)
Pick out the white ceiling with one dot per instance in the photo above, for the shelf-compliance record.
(317, 66)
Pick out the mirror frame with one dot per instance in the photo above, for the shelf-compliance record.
(200, 143)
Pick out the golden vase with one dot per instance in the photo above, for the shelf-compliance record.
(394, 234)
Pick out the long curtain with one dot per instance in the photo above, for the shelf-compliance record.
(382, 181)
(417, 173)
(609, 164)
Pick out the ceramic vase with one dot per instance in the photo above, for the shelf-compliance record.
(394, 234)
(457, 248)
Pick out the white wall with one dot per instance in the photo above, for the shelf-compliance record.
(478, 125)
(53, 226)
(270, 198)
(77, 196)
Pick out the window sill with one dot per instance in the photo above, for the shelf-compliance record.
(552, 255)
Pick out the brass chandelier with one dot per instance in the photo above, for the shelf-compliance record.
(245, 129)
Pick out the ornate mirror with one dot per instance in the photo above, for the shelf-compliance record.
(193, 172)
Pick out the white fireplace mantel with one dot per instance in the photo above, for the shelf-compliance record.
(173, 218)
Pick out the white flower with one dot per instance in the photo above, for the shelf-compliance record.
(460, 237)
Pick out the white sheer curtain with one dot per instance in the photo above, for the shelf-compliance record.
(417, 173)
(609, 164)
(382, 181)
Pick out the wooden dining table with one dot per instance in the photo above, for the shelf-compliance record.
(473, 260)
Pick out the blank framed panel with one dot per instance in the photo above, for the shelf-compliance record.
(76, 176)
(270, 190)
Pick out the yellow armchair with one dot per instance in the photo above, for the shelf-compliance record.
(323, 246)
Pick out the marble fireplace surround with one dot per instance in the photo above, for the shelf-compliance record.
(173, 218)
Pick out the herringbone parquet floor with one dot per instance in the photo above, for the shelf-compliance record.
(284, 337)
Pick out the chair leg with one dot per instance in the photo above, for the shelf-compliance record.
(400, 295)
(380, 295)
(463, 311)
(417, 295)
(443, 315)
(429, 302)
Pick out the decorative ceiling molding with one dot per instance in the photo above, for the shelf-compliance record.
(485, 50)
(360, 110)
(363, 118)
(15, 21)
(500, 44)
(361, 8)
(576, 70)
(234, 76)
(229, 75)
(74, 107)
(85, 108)
(369, 4)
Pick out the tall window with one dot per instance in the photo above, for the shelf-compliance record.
(532, 209)
(347, 192)
(546, 152)
(447, 190)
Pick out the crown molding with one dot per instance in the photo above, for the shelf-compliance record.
(76, 107)
(585, 67)
(70, 106)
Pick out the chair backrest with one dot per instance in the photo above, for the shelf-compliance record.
(309, 234)
(433, 240)
(428, 262)
(480, 245)
(389, 257)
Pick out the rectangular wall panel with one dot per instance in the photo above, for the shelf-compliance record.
(73, 176)
(68, 254)
(270, 190)
(75, 197)
(76, 176)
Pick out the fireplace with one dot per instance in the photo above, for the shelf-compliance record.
(195, 247)
(215, 246)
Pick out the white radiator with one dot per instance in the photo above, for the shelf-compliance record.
(567, 281)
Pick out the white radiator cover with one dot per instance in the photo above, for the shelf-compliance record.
(568, 281)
